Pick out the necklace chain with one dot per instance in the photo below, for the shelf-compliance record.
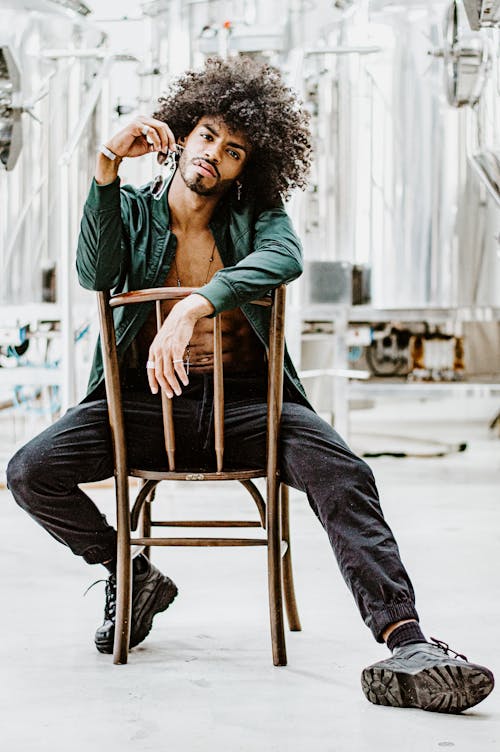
(210, 260)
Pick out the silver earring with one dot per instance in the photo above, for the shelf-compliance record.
(239, 186)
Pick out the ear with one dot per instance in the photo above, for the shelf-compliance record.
(181, 140)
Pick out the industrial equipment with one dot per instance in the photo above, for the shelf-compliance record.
(10, 110)
(400, 237)
(467, 61)
(482, 13)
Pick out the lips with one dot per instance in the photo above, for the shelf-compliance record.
(205, 167)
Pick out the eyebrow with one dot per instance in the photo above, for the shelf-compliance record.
(215, 132)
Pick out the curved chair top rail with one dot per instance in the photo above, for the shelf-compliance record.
(164, 293)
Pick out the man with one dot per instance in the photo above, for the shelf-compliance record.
(221, 228)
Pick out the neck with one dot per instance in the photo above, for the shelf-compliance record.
(187, 208)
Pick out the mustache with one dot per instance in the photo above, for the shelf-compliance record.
(176, 155)
(207, 161)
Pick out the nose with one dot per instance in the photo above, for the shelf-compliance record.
(212, 153)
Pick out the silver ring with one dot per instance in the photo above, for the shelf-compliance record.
(150, 364)
(180, 360)
(145, 130)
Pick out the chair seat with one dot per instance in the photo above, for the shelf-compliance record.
(197, 475)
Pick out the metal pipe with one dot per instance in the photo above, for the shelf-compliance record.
(368, 50)
(89, 107)
(12, 242)
(99, 53)
(64, 266)
(491, 187)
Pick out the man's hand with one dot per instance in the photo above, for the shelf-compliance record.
(168, 347)
(141, 136)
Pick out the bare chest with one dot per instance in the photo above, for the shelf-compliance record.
(195, 262)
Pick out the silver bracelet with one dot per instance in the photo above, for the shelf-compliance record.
(107, 152)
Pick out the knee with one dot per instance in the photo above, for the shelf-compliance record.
(20, 475)
(14, 471)
(358, 474)
(363, 471)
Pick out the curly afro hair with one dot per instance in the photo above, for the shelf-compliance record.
(249, 97)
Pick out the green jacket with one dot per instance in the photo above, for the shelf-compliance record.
(125, 244)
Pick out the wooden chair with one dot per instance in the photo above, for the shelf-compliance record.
(273, 511)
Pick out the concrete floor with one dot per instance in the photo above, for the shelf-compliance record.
(204, 679)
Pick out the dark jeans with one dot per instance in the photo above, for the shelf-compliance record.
(44, 476)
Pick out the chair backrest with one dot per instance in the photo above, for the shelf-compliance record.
(107, 302)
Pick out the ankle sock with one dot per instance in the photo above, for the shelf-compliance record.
(405, 634)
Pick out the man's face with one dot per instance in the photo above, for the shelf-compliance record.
(213, 157)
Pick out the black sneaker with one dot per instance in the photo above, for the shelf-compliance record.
(425, 676)
(152, 592)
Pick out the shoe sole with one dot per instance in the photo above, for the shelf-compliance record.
(104, 647)
(441, 689)
(160, 599)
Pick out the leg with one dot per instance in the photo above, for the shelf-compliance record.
(274, 569)
(288, 586)
(43, 477)
(342, 492)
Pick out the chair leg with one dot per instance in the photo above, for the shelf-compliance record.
(292, 611)
(145, 522)
(123, 575)
(274, 560)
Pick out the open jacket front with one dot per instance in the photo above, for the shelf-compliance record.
(125, 244)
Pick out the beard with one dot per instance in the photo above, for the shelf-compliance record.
(195, 182)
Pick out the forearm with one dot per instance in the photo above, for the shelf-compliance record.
(106, 170)
(275, 258)
(195, 307)
(108, 216)
(251, 278)
(99, 255)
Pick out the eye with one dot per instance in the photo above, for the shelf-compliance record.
(234, 154)
(207, 136)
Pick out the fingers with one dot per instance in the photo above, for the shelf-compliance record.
(166, 352)
(180, 370)
(152, 137)
(167, 378)
(151, 373)
(158, 379)
(144, 134)
(165, 374)
(159, 136)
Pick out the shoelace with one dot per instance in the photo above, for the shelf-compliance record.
(110, 604)
(446, 648)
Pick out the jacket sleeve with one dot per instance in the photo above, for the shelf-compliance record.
(103, 249)
(276, 259)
